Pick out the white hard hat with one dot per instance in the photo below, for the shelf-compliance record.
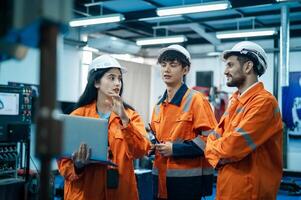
(105, 61)
(178, 48)
(250, 49)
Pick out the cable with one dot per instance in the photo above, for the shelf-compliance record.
(34, 188)
(35, 166)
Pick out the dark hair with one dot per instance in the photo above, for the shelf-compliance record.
(90, 93)
(173, 55)
(242, 59)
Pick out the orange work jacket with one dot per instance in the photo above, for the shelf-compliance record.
(191, 120)
(247, 147)
(126, 145)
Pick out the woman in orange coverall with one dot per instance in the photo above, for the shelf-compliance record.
(126, 135)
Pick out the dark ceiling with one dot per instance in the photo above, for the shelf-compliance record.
(142, 21)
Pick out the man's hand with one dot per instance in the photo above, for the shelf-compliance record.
(165, 149)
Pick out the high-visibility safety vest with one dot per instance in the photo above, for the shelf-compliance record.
(126, 145)
(246, 147)
(188, 117)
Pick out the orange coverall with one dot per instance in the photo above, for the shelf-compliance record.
(246, 147)
(188, 117)
(126, 145)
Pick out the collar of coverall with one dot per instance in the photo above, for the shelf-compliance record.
(176, 100)
(244, 98)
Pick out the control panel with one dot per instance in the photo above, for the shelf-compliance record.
(8, 160)
(15, 108)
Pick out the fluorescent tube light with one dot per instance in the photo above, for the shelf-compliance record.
(96, 20)
(91, 49)
(161, 40)
(246, 33)
(214, 53)
(193, 8)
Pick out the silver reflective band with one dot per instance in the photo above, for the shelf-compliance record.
(239, 110)
(215, 134)
(199, 142)
(186, 172)
(189, 172)
(157, 109)
(206, 133)
(188, 100)
(277, 110)
(155, 171)
(247, 137)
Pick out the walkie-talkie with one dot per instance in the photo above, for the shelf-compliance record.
(153, 133)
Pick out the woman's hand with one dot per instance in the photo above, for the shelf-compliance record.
(118, 108)
(81, 157)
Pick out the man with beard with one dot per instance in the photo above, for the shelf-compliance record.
(246, 146)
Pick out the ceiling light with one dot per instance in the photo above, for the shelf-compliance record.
(91, 49)
(193, 8)
(246, 33)
(213, 53)
(102, 19)
(161, 40)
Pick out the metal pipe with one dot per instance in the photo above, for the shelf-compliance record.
(284, 46)
(48, 140)
(276, 68)
(284, 67)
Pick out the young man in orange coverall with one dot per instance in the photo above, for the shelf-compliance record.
(181, 120)
(126, 137)
(246, 146)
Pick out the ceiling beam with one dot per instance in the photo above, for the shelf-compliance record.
(199, 29)
(210, 37)
(153, 3)
(255, 19)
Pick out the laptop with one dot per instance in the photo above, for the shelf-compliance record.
(91, 131)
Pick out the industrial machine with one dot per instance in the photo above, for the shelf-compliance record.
(15, 121)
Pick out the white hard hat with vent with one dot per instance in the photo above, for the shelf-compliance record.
(250, 49)
(105, 61)
(178, 48)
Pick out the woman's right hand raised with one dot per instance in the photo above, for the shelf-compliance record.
(81, 157)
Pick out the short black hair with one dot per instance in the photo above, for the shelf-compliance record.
(173, 55)
(242, 59)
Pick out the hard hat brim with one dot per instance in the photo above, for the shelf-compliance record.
(161, 51)
(227, 52)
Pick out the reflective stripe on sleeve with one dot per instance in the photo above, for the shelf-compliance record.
(277, 110)
(155, 171)
(215, 134)
(226, 113)
(247, 137)
(206, 133)
(239, 110)
(200, 143)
